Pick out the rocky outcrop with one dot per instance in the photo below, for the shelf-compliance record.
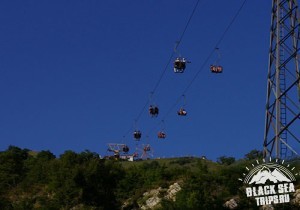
(267, 207)
(231, 204)
(172, 191)
(151, 203)
(152, 198)
(296, 200)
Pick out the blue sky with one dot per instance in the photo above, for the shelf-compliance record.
(74, 75)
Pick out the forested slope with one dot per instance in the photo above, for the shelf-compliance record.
(39, 180)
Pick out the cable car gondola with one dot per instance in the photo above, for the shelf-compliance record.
(161, 135)
(182, 112)
(137, 135)
(215, 68)
(179, 65)
(180, 62)
(147, 148)
(125, 149)
(153, 110)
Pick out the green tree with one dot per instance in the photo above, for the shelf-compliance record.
(12, 169)
(98, 181)
(254, 154)
(226, 160)
(38, 169)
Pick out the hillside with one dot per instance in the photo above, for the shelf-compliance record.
(39, 180)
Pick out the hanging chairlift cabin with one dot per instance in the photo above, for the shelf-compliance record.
(125, 149)
(137, 135)
(182, 112)
(161, 135)
(153, 110)
(179, 65)
(216, 69)
(147, 148)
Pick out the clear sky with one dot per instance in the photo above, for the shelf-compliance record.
(75, 75)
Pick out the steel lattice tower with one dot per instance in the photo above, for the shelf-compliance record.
(282, 119)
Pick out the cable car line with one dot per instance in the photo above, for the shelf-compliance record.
(197, 73)
(163, 72)
(205, 63)
(211, 53)
(188, 22)
(170, 59)
(137, 134)
(167, 65)
(230, 24)
(216, 46)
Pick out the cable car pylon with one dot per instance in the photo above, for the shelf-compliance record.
(282, 116)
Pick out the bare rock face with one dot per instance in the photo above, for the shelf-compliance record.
(153, 197)
(267, 207)
(296, 200)
(151, 203)
(172, 191)
(231, 204)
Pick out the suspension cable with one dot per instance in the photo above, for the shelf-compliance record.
(205, 62)
(167, 65)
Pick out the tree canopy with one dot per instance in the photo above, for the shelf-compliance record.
(40, 180)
